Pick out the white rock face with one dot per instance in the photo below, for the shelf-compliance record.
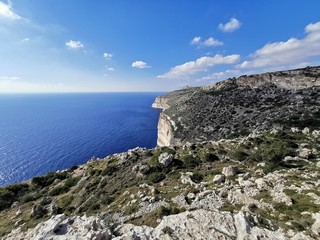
(165, 158)
(202, 224)
(61, 227)
(161, 103)
(230, 171)
(165, 131)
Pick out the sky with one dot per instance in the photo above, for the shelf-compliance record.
(148, 45)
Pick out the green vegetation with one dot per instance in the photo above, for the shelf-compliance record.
(12, 193)
(48, 179)
(166, 211)
(156, 177)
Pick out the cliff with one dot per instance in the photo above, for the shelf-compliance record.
(238, 106)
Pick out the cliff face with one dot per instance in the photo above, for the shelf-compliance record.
(238, 106)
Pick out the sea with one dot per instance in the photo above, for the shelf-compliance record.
(41, 133)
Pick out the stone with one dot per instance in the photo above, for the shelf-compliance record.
(219, 178)
(165, 159)
(316, 133)
(14, 204)
(230, 171)
(295, 130)
(38, 211)
(306, 130)
(305, 153)
(315, 228)
(18, 212)
(262, 184)
(191, 196)
(18, 223)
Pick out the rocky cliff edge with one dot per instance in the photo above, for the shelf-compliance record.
(238, 106)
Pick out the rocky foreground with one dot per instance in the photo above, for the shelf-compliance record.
(260, 184)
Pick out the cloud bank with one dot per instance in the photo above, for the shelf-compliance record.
(200, 65)
(292, 51)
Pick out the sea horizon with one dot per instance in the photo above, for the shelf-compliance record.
(46, 132)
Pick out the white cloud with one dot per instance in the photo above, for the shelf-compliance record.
(200, 65)
(74, 44)
(221, 75)
(230, 26)
(196, 40)
(107, 56)
(210, 42)
(26, 40)
(292, 51)
(6, 11)
(7, 79)
(110, 69)
(140, 64)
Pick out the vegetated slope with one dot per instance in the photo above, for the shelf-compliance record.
(237, 107)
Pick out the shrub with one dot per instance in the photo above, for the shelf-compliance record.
(275, 152)
(167, 230)
(107, 200)
(70, 182)
(156, 177)
(48, 179)
(166, 211)
(12, 193)
(109, 170)
(210, 157)
(240, 155)
(6, 198)
(197, 177)
(189, 161)
(59, 190)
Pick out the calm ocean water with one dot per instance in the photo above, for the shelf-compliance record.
(40, 133)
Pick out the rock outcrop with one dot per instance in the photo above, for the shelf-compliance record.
(237, 107)
(61, 227)
(202, 224)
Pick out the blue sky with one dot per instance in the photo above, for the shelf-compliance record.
(147, 45)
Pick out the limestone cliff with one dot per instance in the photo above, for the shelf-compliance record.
(238, 106)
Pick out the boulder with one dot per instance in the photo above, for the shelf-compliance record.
(305, 153)
(165, 159)
(316, 226)
(306, 130)
(230, 171)
(219, 178)
(38, 211)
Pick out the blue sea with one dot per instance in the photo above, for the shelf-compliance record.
(41, 133)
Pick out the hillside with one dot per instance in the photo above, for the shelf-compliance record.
(239, 106)
(256, 176)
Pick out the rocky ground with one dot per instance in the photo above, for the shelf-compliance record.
(263, 186)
